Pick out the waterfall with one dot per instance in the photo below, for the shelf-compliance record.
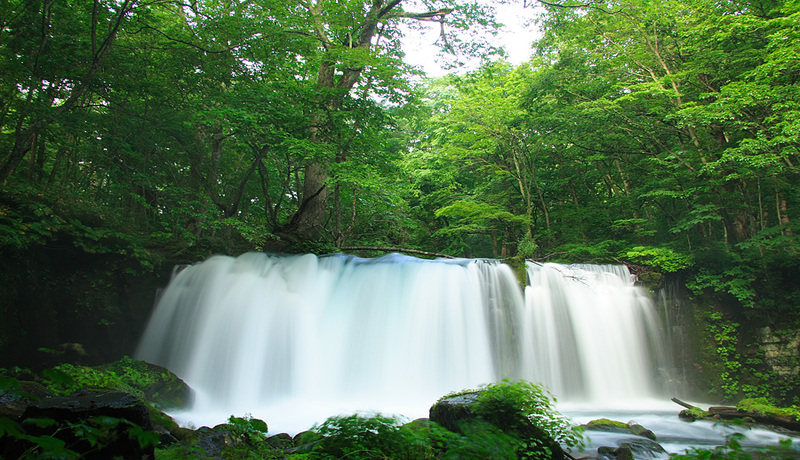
(294, 339)
(592, 335)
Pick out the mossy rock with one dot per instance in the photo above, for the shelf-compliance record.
(281, 441)
(119, 424)
(623, 452)
(694, 414)
(639, 430)
(491, 408)
(604, 424)
(157, 384)
(614, 426)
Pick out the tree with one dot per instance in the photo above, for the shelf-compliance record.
(358, 46)
(53, 52)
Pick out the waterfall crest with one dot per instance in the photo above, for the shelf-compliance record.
(272, 335)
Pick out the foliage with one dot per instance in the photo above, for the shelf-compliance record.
(723, 340)
(134, 136)
(138, 378)
(517, 421)
(66, 379)
(366, 437)
(762, 406)
(526, 409)
(49, 438)
(663, 259)
(248, 439)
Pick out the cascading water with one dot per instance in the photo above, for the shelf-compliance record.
(295, 339)
(592, 335)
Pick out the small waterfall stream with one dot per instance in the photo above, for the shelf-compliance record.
(295, 339)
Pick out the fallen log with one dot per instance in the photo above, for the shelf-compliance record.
(684, 404)
(732, 413)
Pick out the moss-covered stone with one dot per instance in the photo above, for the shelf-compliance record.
(693, 414)
(615, 426)
(639, 430)
(157, 384)
(604, 424)
(623, 452)
(519, 410)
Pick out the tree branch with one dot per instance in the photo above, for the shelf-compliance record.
(404, 250)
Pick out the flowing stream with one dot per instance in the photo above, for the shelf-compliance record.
(296, 339)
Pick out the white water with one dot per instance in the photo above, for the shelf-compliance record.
(296, 339)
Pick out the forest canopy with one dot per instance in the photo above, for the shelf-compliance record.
(659, 134)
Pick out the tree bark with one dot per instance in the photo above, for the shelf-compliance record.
(309, 220)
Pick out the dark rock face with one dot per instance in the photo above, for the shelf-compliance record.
(114, 415)
(13, 403)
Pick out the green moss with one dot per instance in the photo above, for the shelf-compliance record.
(141, 379)
(762, 406)
(693, 414)
(68, 378)
(518, 265)
(157, 384)
(604, 423)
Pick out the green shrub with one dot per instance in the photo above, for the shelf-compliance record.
(526, 410)
(360, 436)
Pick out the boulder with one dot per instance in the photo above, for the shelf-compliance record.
(157, 384)
(14, 401)
(94, 424)
(614, 426)
(452, 411)
(466, 409)
(623, 452)
(639, 430)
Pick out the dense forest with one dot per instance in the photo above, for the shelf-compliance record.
(139, 134)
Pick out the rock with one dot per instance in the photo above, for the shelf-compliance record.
(639, 430)
(461, 410)
(604, 424)
(208, 443)
(158, 384)
(14, 402)
(451, 411)
(622, 452)
(614, 426)
(645, 448)
(106, 424)
(281, 441)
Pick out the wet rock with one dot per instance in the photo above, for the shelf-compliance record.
(639, 430)
(614, 426)
(452, 411)
(644, 448)
(96, 425)
(623, 452)
(16, 399)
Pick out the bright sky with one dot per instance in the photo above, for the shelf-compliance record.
(516, 37)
